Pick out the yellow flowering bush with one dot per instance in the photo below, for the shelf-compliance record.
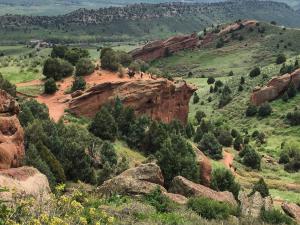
(63, 208)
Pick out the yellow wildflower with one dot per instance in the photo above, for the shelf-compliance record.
(83, 220)
(92, 211)
(76, 205)
(44, 218)
(111, 219)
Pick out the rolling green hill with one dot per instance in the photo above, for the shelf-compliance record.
(139, 22)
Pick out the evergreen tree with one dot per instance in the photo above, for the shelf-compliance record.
(237, 144)
(225, 138)
(251, 110)
(25, 116)
(50, 86)
(78, 84)
(196, 98)
(210, 146)
(252, 159)
(291, 91)
(261, 187)
(154, 137)
(189, 130)
(84, 67)
(211, 80)
(199, 116)
(265, 110)
(7, 86)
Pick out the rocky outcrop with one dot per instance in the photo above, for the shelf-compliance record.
(23, 181)
(185, 187)
(11, 133)
(160, 49)
(275, 87)
(237, 26)
(292, 209)
(160, 99)
(205, 166)
(252, 205)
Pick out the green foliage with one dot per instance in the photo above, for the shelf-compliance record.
(265, 110)
(291, 91)
(59, 51)
(84, 67)
(199, 116)
(7, 86)
(250, 157)
(210, 209)
(109, 59)
(251, 110)
(274, 216)
(57, 68)
(220, 43)
(196, 98)
(78, 84)
(255, 72)
(176, 157)
(237, 144)
(223, 180)
(72, 55)
(161, 202)
(261, 187)
(189, 130)
(104, 125)
(210, 146)
(50, 86)
(211, 80)
(225, 138)
(294, 118)
(290, 156)
(281, 58)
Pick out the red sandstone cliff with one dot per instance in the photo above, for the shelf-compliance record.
(11, 133)
(159, 49)
(275, 87)
(160, 99)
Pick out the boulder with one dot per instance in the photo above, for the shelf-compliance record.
(135, 181)
(160, 49)
(205, 166)
(24, 181)
(160, 99)
(275, 87)
(185, 187)
(11, 133)
(252, 205)
(237, 26)
(179, 199)
(292, 209)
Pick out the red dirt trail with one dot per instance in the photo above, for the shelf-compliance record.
(58, 102)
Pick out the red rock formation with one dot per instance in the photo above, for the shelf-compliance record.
(237, 26)
(11, 133)
(159, 49)
(275, 87)
(292, 209)
(160, 99)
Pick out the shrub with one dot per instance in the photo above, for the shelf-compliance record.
(189, 130)
(234, 133)
(210, 145)
(57, 68)
(219, 83)
(78, 84)
(104, 125)
(220, 43)
(252, 159)
(59, 51)
(210, 209)
(255, 72)
(161, 202)
(223, 180)
(177, 157)
(7, 86)
(274, 216)
(291, 91)
(237, 144)
(265, 110)
(261, 187)
(84, 67)
(284, 158)
(73, 55)
(109, 59)
(225, 138)
(199, 116)
(294, 117)
(242, 81)
(280, 59)
(50, 86)
(230, 74)
(210, 80)
(196, 98)
(251, 110)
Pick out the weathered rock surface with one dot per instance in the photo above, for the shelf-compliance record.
(135, 181)
(160, 49)
(11, 133)
(185, 187)
(252, 205)
(180, 199)
(237, 26)
(205, 166)
(160, 99)
(24, 181)
(292, 209)
(275, 87)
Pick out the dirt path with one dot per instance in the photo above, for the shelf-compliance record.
(58, 102)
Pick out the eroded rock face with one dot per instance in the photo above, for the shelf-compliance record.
(11, 133)
(24, 181)
(237, 26)
(185, 187)
(205, 167)
(252, 205)
(160, 99)
(275, 87)
(292, 209)
(160, 49)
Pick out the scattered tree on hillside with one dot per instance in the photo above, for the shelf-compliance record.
(78, 84)
(251, 110)
(261, 187)
(210, 146)
(255, 72)
(196, 98)
(281, 58)
(57, 68)
(50, 86)
(291, 91)
(265, 110)
(210, 80)
(84, 67)
(199, 116)
(7, 86)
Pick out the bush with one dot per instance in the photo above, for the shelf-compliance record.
(84, 67)
(196, 98)
(210, 209)
(161, 202)
(220, 43)
(109, 59)
(261, 187)
(104, 125)
(57, 68)
(265, 110)
(291, 91)
(210, 145)
(255, 72)
(251, 110)
(177, 157)
(274, 216)
(252, 159)
(280, 59)
(50, 86)
(78, 84)
(7, 86)
(237, 144)
(199, 116)
(225, 138)
(210, 80)
(223, 180)
(294, 117)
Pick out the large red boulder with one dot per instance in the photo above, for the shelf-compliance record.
(11, 133)
(160, 99)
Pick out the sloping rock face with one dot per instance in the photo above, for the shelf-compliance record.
(135, 181)
(24, 181)
(205, 167)
(185, 187)
(237, 26)
(160, 99)
(292, 209)
(275, 87)
(11, 133)
(252, 205)
(160, 49)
